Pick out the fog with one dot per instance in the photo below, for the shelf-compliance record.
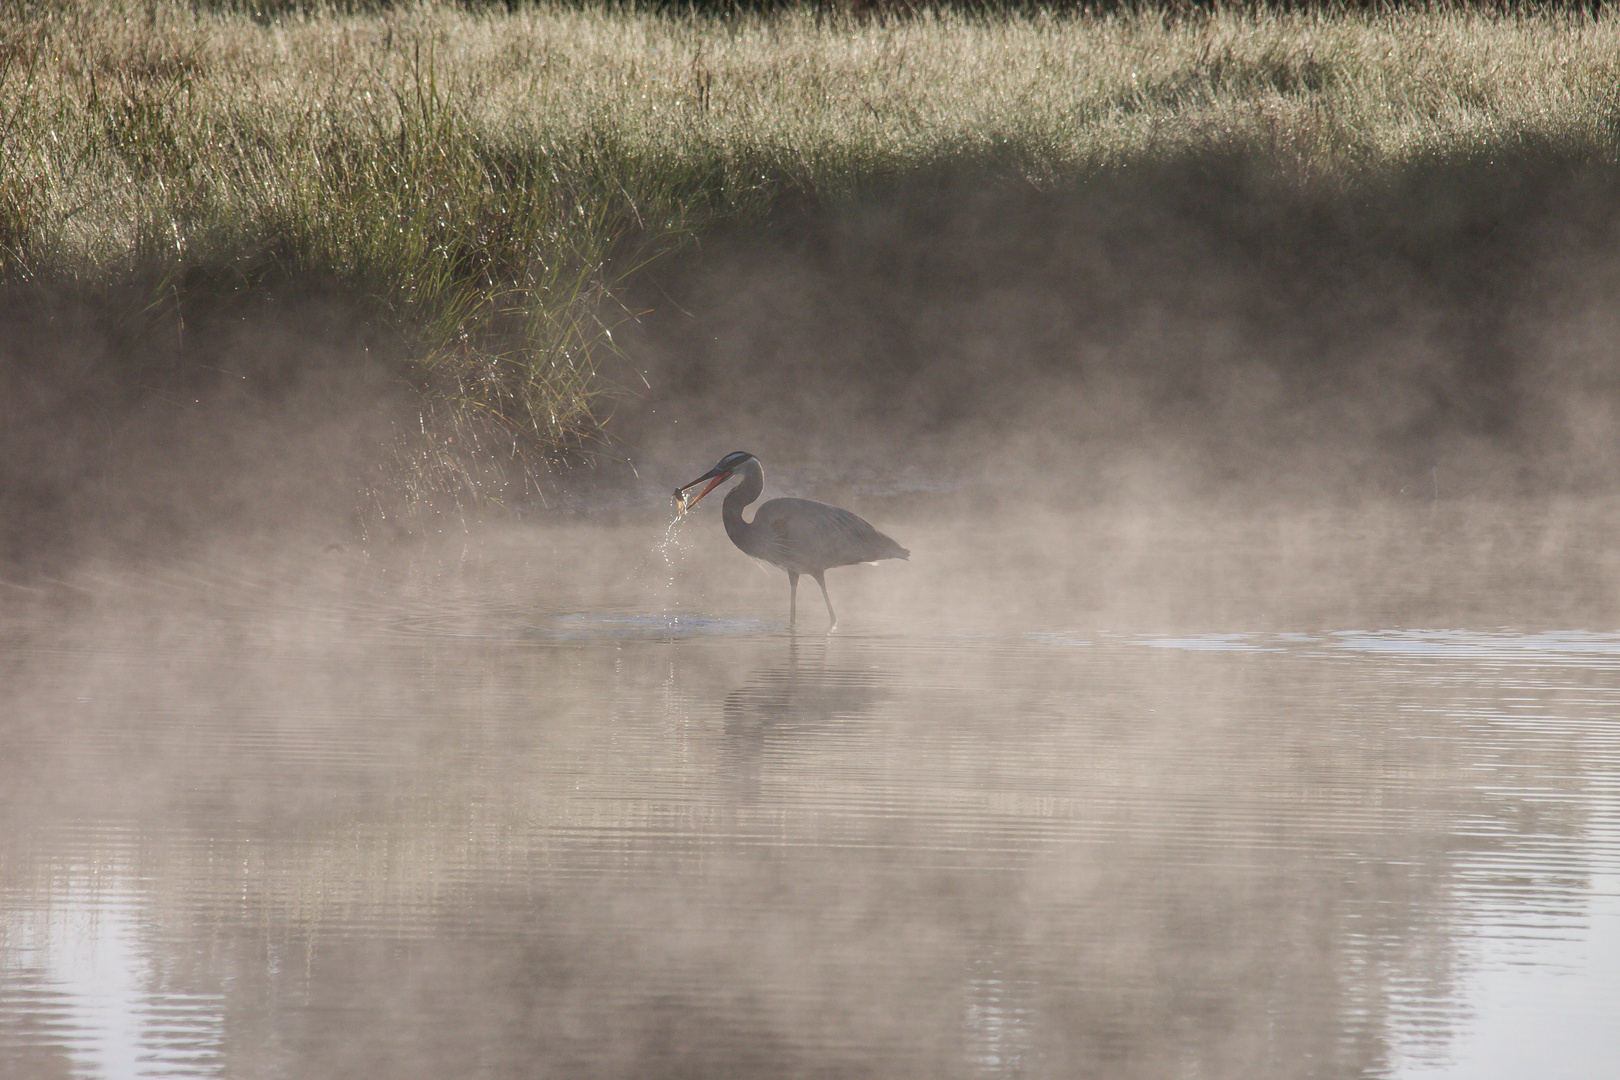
(1244, 710)
(1157, 335)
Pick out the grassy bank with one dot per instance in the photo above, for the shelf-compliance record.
(477, 187)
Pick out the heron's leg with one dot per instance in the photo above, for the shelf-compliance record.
(793, 597)
(831, 614)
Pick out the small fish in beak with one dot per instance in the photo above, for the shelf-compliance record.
(715, 476)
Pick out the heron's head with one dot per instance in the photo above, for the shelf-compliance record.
(717, 475)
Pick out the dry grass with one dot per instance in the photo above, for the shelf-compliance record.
(480, 183)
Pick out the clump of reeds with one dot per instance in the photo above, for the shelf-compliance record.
(481, 181)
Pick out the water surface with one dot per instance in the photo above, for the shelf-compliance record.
(1215, 800)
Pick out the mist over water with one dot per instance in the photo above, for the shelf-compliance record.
(1247, 707)
(307, 816)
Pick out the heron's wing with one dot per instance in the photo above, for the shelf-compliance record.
(810, 536)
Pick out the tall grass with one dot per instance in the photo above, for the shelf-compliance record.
(480, 183)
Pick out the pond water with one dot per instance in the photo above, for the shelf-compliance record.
(1306, 795)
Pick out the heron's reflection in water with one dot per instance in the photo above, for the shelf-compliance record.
(801, 705)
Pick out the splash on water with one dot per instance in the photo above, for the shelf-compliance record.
(668, 550)
(671, 544)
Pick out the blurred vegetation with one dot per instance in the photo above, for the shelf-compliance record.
(478, 181)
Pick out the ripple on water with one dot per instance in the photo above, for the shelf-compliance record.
(1044, 853)
(585, 627)
(1562, 647)
(81, 992)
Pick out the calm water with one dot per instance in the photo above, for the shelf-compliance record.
(1204, 801)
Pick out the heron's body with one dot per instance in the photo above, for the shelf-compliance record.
(798, 535)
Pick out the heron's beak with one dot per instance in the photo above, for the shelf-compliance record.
(715, 477)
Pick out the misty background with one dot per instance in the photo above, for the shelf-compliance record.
(1189, 332)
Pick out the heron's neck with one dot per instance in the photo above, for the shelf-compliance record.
(731, 511)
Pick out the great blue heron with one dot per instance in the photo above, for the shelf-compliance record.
(800, 536)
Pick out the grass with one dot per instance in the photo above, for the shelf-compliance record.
(480, 184)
